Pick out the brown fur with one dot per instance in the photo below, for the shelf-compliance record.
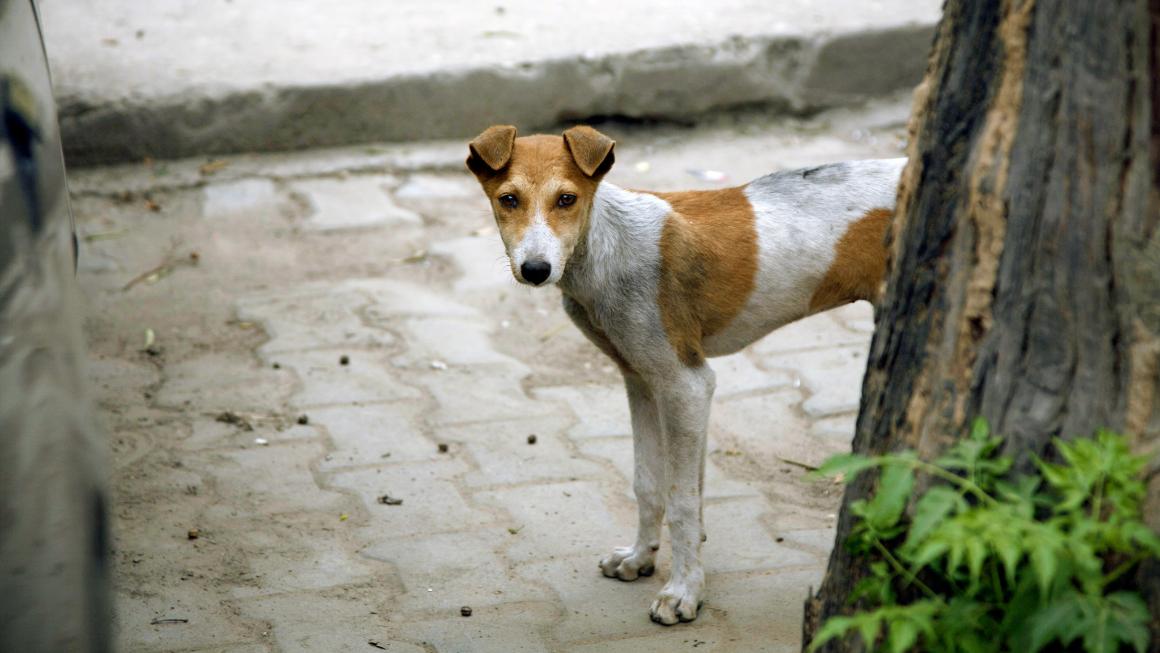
(537, 170)
(859, 263)
(708, 266)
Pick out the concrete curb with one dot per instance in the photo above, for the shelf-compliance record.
(793, 74)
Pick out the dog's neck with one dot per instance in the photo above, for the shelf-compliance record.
(619, 244)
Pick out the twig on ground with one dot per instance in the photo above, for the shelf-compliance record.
(162, 270)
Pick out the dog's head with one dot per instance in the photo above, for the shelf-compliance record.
(541, 190)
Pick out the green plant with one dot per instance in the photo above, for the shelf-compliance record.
(986, 563)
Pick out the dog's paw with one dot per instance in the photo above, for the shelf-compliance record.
(678, 601)
(628, 563)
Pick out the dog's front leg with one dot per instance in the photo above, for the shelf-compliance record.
(683, 401)
(630, 562)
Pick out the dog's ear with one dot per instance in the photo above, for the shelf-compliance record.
(491, 150)
(591, 150)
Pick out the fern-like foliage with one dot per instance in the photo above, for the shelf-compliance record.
(987, 564)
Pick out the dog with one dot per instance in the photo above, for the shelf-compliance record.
(661, 281)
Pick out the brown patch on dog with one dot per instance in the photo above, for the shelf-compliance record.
(859, 263)
(708, 266)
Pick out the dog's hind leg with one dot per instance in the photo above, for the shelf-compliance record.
(683, 402)
(631, 562)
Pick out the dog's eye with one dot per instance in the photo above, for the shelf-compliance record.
(508, 201)
(567, 199)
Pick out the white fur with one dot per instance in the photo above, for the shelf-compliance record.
(610, 286)
(539, 243)
(798, 226)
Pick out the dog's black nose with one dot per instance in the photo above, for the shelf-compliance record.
(536, 272)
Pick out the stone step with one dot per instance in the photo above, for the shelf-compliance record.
(184, 79)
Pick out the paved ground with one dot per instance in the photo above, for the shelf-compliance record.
(325, 322)
(170, 78)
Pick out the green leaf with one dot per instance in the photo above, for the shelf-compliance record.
(901, 636)
(1009, 552)
(929, 513)
(1057, 621)
(834, 628)
(980, 430)
(1118, 618)
(929, 552)
(869, 628)
(875, 587)
(1142, 536)
(847, 464)
(1044, 562)
(976, 556)
(1129, 614)
(894, 487)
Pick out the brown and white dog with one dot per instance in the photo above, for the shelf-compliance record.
(662, 281)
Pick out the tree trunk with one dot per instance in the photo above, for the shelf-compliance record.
(1025, 277)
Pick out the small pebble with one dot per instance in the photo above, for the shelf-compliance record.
(277, 366)
(303, 420)
(344, 360)
(194, 533)
(465, 611)
(261, 441)
(532, 439)
(443, 448)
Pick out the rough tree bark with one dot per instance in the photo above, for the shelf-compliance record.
(1025, 275)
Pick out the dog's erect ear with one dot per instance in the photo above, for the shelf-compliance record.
(591, 150)
(491, 150)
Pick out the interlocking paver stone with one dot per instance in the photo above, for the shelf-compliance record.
(352, 203)
(208, 625)
(443, 572)
(602, 410)
(555, 519)
(338, 619)
(290, 562)
(367, 376)
(313, 320)
(770, 427)
(208, 432)
(768, 604)
(268, 480)
(482, 261)
(738, 542)
(455, 341)
(432, 502)
(837, 429)
(512, 460)
(594, 606)
(239, 199)
(440, 187)
(374, 433)
(462, 398)
(215, 382)
(825, 374)
(706, 639)
(737, 374)
(506, 628)
(392, 299)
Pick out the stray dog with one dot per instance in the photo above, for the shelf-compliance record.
(661, 281)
